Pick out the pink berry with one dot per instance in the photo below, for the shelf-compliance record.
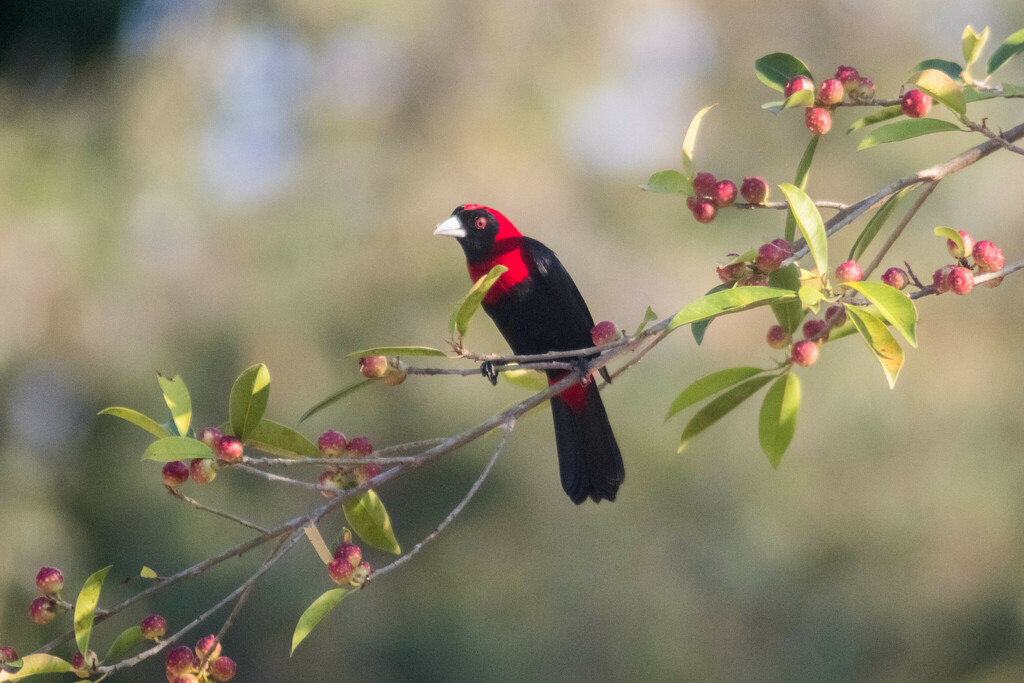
(49, 580)
(350, 552)
(940, 279)
(849, 272)
(210, 436)
(360, 446)
(361, 573)
(604, 332)
(846, 73)
(960, 280)
(367, 472)
(796, 84)
(957, 252)
(203, 470)
(373, 367)
(835, 316)
(83, 665)
(755, 280)
(332, 444)
(704, 184)
(223, 669)
(785, 247)
(804, 353)
(830, 92)
(988, 256)
(691, 203)
(153, 627)
(915, 103)
(331, 480)
(861, 89)
(817, 120)
(180, 660)
(769, 258)
(754, 190)
(8, 654)
(777, 337)
(175, 473)
(896, 277)
(229, 449)
(208, 647)
(724, 193)
(813, 330)
(340, 570)
(704, 211)
(42, 610)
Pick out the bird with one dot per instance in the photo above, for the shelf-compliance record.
(537, 308)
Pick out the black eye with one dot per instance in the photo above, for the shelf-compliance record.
(481, 223)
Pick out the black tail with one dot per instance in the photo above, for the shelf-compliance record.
(588, 457)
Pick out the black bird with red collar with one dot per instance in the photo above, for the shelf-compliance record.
(537, 308)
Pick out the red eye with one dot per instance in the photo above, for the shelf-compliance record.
(481, 223)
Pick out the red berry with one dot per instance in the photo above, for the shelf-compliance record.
(724, 193)
(332, 480)
(350, 552)
(957, 252)
(835, 316)
(846, 73)
(360, 446)
(8, 654)
(814, 329)
(804, 353)
(83, 665)
(755, 280)
(915, 103)
(691, 203)
(896, 277)
(849, 272)
(861, 89)
(777, 337)
(940, 279)
(180, 660)
(223, 669)
(830, 92)
(604, 332)
(785, 247)
(367, 472)
(733, 272)
(704, 211)
(229, 449)
(754, 190)
(153, 627)
(49, 580)
(203, 470)
(332, 444)
(42, 610)
(960, 280)
(704, 184)
(373, 367)
(203, 647)
(796, 84)
(210, 436)
(988, 256)
(769, 258)
(817, 120)
(175, 473)
(362, 573)
(340, 570)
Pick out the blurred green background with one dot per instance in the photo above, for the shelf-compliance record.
(189, 186)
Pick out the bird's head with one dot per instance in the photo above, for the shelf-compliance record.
(477, 228)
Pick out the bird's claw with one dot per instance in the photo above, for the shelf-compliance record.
(489, 369)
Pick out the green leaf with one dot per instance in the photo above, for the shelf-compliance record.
(668, 182)
(465, 309)
(248, 400)
(721, 406)
(315, 613)
(774, 106)
(273, 437)
(892, 305)
(904, 130)
(811, 297)
(951, 69)
(883, 114)
(879, 341)
(1011, 46)
(778, 69)
(524, 378)
(803, 170)
(971, 43)
(649, 317)
(398, 351)
(129, 639)
(689, 143)
(790, 313)
(811, 225)
(370, 521)
(148, 573)
(174, 448)
(708, 386)
(177, 399)
(85, 607)
(700, 328)
(137, 419)
(777, 422)
(337, 396)
(944, 89)
(951, 234)
(870, 230)
(36, 664)
(728, 301)
(801, 98)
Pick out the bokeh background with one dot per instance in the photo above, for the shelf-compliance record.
(191, 186)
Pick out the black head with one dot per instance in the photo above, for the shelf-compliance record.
(477, 228)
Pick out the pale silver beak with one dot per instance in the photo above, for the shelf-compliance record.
(452, 227)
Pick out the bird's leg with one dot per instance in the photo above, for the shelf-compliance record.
(580, 365)
(489, 369)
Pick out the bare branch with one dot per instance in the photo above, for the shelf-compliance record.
(921, 198)
(226, 515)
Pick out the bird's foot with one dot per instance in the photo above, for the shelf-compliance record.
(489, 369)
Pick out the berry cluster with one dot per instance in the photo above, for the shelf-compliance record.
(183, 664)
(333, 444)
(815, 332)
(348, 568)
(847, 82)
(958, 277)
(711, 194)
(379, 367)
(43, 609)
(755, 272)
(204, 470)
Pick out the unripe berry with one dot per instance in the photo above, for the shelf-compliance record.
(849, 272)
(175, 473)
(769, 258)
(153, 627)
(813, 329)
(8, 654)
(957, 252)
(896, 277)
(42, 610)
(733, 272)
(373, 367)
(860, 89)
(777, 337)
(229, 449)
(203, 647)
(350, 552)
(988, 256)
(393, 377)
(49, 580)
(367, 472)
(223, 669)
(915, 103)
(704, 184)
(755, 280)
(83, 665)
(704, 211)
(835, 315)
(785, 247)
(724, 193)
(846, 73)
(361, 573)
(210, 436)
(332, 444)
(203, 470)
(960, 280)
(360, 446)
(604, 332)
(754, 190)
(940, 279)
(804, 353)
(817, 120)
(180, 660)
(830, 92)
(340, 570)
(332, 480)
(796, 84)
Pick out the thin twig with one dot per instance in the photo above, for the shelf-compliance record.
(978, 279)
(987, 132)
(282, 480)
(784, 206)
(921, 198)
(220, 513)
(469, 372)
